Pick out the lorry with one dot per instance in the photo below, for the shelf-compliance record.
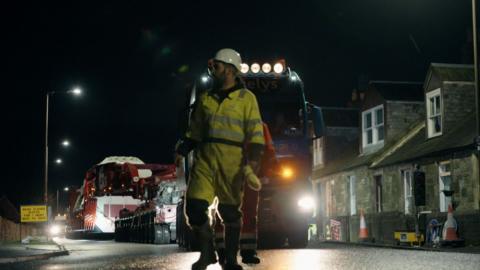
(286, 201)
(123, 198)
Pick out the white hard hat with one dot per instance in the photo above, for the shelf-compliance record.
(229, 56)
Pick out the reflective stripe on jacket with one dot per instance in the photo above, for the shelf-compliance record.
(234, 119)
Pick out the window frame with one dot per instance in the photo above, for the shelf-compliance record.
(329, 190)
(444, 201)
(432, 106)
(378, 181)
(408, 198)
(318, 146)
(374, 127)
(352, 194)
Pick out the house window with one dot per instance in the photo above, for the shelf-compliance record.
(434, 113)
(373, 126)
(330, 197)
(353, 195)
(317, 189)
(378, 193)
(318, 152)
(408, 190)
(445, 185)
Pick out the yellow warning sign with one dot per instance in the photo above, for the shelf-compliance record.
(33, 213)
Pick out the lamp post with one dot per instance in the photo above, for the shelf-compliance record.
(475, 66)
(77, 92)
(58, 196)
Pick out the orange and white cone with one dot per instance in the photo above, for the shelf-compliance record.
(363, 234)
(450, 227)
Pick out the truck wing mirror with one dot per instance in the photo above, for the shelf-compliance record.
(318, 123)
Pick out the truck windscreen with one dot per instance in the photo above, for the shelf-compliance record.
(280, 103)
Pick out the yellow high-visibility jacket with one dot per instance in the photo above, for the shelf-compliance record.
(234, 120)
(221, 126)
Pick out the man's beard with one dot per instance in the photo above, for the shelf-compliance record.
(218, 81)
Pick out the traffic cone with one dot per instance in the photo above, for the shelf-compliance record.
(449, 233)
(363, 234)
(450, 227)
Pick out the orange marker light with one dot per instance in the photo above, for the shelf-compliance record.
(287, 172)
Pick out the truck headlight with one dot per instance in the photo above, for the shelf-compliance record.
(54, 229)
(278, 68)
(245, 68)
(255, 67)
(306, 203)
(266, 68)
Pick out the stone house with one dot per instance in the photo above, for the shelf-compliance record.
(405, 128)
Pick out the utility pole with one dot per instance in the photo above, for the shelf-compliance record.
(475, 65)
(477, 93)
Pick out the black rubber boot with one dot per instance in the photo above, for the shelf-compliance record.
(232, 239)
(204, 234)
(249, 256)
(221, 256)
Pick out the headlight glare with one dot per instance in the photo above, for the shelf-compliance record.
(306, 203)
(255, 68)
(244, 68)
(278, 68)
(54, 229)
(287, 172)
(266, 68)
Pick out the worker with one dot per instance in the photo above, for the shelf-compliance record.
(222, 121)
(248, 236)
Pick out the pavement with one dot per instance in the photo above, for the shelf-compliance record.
(460, 249)
(16, 252)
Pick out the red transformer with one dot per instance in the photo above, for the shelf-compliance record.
(126, 199)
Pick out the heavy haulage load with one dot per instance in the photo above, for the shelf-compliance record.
(126, 199)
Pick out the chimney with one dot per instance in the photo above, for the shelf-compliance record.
(354, 95)
(362, 96)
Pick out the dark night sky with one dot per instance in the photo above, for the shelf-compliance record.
(126, 55)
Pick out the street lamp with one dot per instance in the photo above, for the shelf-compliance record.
(66, 143)
(58, 161)
(76, 91)
(58, 193)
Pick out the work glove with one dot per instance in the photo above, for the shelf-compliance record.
(252, 180)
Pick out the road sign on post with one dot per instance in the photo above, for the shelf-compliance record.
(33, 213)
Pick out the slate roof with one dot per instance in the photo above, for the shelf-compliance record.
(451, 72)
(417, 147)
(413, 145)
(398, 90)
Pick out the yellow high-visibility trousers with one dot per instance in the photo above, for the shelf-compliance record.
(217, 172)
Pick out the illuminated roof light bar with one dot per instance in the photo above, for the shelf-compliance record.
(255, 68)
(244, 68)
(278, 68)
(266, 68)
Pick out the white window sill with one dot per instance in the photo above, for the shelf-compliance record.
(430, 136)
